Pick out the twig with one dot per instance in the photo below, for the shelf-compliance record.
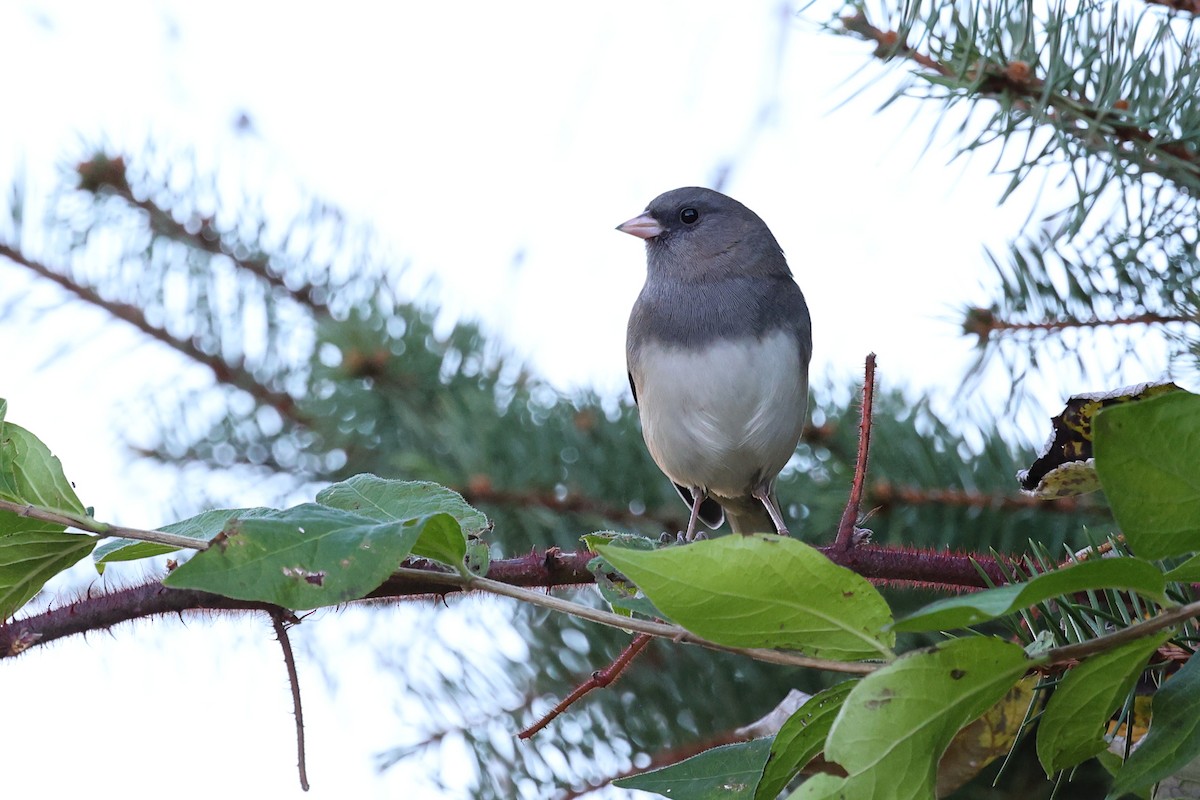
(883, 495)
(983, 322)
(845, 532)
(86, 523)
(658, 629)
(1080, 651)
(599, 679)
(289, 659)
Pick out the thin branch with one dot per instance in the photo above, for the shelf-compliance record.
(232, 374)
(983, 322)
(105, 174)
(850, 516)
(85, 523)
(884, 495)
(289, 659)
(1166, 619)
(599, 679)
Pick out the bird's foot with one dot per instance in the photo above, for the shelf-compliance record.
(681, 537)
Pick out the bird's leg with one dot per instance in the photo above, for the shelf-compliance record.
(698, 496)
(764, 495)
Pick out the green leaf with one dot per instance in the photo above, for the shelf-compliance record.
(622, 596)
(479, 557)
(442, 540)
(897, 721)
(202, 527)
(762, 591)
(387, 500)
(731, 770)
(1187, 572)
(30, 474)
(33, 556)
(1148, 459)
(801, 738)
(1102, 573)
(1072, 727)
(304, 557)
(1173, 741)
(31, 551)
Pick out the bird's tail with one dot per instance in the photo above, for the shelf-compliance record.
(748, 515)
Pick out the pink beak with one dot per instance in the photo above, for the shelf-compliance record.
(643, 227)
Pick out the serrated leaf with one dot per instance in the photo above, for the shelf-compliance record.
(801, 739)
(1071, 729)
(971, 609)
(31, 557)
(897, 721)
(1173, 741)
(303, 557)
(31, 474)
(762, 590)
(1148, 459)
(384, 499)
(388, 500)
(32, 551)
(723, 772)
(630, 541)
(202, 527)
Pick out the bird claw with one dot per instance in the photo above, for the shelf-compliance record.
(681, 537)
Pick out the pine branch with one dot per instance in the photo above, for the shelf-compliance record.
(108, 175)
(885, 495)
(983, 322)
(1103, 131)
(235, 375)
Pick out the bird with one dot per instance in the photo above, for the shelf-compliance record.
(717, 347)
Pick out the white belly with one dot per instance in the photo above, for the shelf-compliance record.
(723, 418)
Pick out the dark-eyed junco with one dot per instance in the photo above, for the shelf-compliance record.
(718, 348)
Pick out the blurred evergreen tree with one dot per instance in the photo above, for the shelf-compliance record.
(322, 369)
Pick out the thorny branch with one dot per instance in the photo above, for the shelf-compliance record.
(280, 620)
(846, 532)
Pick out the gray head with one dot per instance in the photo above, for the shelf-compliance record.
(695, 234)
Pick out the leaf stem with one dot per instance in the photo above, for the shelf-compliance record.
(85, 523)
(659, 629)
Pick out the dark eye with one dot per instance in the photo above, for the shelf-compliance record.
(689, 216)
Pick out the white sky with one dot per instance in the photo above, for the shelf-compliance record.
(467, 132)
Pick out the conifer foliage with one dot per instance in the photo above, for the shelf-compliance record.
(431, 462)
